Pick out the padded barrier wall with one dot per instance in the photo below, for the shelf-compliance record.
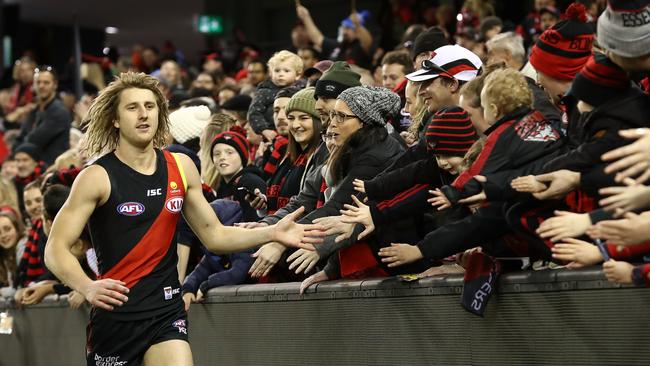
(553, 317)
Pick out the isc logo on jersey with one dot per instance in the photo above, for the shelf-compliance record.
(130, 208)
(174, 204)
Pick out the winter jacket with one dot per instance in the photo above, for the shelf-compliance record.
(48, 129)
(599, 134)
(367, 160)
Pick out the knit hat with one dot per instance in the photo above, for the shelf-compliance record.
(303, 101)
(427, 41)
(450, 132)
(30, 149)
(562, 50)
(454, 62)
(234, 139)
(599, 81)
(187, 123)
(238, 103)
(371, 104)
(335, 80)
(624, 27)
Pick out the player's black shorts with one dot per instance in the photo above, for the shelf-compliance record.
(124, 343)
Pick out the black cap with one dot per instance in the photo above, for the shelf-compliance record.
(30, 149)
(428, 41)
(238, 103)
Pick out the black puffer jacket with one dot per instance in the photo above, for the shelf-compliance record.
(260, 112)
(367, 160)
(599, 134)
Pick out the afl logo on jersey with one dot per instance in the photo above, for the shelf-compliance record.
(130, 208)
(174, 205)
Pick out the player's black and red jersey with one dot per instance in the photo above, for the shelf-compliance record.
(133, 233)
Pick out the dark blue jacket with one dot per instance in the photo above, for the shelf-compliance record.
(215, 270)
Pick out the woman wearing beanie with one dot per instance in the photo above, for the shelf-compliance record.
(303, 156)
(363, 149)
(236, 177)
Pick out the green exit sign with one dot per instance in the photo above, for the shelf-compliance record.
(210, 24)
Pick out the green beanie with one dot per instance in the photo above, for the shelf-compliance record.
(303, 101)
(335, 80)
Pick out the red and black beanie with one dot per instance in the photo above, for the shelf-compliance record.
(599, 81)
(234, 139)
(450, 132)
(562, 50)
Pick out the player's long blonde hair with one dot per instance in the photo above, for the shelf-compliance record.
(101, 135)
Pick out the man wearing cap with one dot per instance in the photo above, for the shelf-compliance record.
(237, 108)
(442, 76)
(314, 73)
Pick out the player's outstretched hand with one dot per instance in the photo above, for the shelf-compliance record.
(292, 234)
(106, 293)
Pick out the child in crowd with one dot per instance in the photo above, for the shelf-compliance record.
(285, 68)
(236, 178)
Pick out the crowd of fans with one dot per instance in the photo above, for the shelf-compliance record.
(470, 148)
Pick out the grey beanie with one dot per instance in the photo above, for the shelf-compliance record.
(372, 104)
(625, 31)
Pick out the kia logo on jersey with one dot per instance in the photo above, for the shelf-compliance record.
(130, 208)
(174, 205)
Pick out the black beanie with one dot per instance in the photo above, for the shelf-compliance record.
(30, 149)
(335, 80)
(428, 41)
(238, 103)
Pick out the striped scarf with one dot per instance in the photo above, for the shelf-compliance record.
(277, 153)
(31, 265)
